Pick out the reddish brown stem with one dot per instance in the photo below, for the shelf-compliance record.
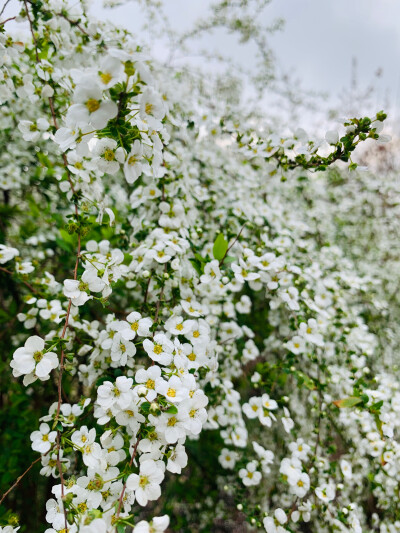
(124, 487)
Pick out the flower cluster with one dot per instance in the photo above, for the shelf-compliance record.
(181, 308)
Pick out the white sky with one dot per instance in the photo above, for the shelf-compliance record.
(318, 43)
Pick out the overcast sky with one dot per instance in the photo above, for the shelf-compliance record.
(318, 42)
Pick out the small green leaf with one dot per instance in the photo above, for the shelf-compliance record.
(172, 410)
(348, 402)
(220, 247)
(145, 407)
(197, 266)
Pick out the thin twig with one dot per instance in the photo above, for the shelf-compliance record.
(62, 358)
(22, 475)
(4, 7)
(32, 31)
(7, 20)
(23, 281)
(124, 487)
(234, 241)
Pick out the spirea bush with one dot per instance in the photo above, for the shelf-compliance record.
(191, 337)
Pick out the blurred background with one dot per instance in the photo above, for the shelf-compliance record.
(333, 54)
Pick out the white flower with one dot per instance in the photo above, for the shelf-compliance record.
(296, 344)
(158, 525)
(326, 492)
(7, 253)
(177, 459)
(151, 107)
(136, 326)
(147, 381)
(98, 525)
(55, 514)
(33, 359)
(242, 272)
(75, 290)
(108, 155)
(193, 408)
(274, 524)
(146, 484)
(134, 163)
(253, 408)
(178, 326)
(309, 331)
(228, 458)
(50, 463)
(211, 272)
(110, 71)
(32, 131)
(249, 475)
(119, 393)
(301, 486)
(84, 439)
(90, 106)
(160, 349)
(345, 467)
(43, 439)
(173, 389)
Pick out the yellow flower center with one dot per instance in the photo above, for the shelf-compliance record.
(148, 108)
(135, 326)
(172, 421)
(157, 349)
(109, 155)
(144, 480)
(150, 384)
(171, 393)
(92, 105)
(38, 356)
(105, 77)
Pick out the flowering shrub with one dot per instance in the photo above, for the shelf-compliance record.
(187, 341)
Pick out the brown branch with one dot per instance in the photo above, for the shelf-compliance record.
(22, 475)
(7, 20)
(124, 487)
(160, 298)
(23, 281)
(19, 479)
(62, 358)
(229, 247)
(4, 7)
(32, 31)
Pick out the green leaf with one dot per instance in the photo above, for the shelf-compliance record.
(351, 401)
(145, 407)
(120, 528)
(172, 409)
(220, 247)
(197, 266)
